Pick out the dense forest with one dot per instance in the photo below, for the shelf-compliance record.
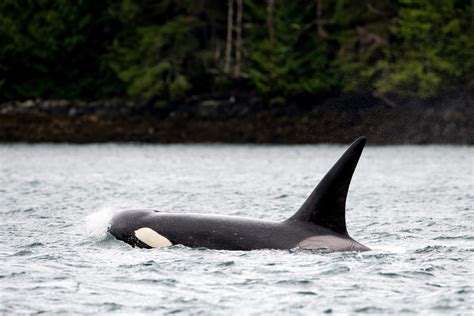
(277, 49)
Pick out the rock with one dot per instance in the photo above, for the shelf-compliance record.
(208, 108)
(72, 112)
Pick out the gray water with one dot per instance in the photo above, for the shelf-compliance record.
(413, 205)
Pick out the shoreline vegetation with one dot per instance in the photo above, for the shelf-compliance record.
(237, 71)
(243, 119)
(277, 50)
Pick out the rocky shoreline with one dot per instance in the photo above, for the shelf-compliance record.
(233, 119)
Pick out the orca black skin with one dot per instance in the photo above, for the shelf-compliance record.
(320, 223)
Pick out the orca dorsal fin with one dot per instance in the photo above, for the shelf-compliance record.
(326, 206)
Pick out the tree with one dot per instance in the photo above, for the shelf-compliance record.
(55, 49)
(288, 58)
(419, 47)
(164, 58)
(431, 53)
(362, 33)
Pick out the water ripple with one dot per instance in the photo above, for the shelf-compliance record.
(411, 204)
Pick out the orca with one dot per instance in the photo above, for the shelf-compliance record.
(320, 223)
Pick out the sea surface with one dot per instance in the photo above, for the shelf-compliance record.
(413, 205)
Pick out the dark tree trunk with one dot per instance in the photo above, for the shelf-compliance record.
(238, 43)
(228, 46)
(271, 30)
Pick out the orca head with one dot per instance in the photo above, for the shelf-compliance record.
(123, 226)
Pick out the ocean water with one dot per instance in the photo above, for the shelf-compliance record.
(413, 205)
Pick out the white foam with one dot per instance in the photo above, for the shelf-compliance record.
(98, 221)
(389, 248)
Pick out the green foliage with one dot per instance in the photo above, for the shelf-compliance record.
(427, 55)
(424, 49)
(173, 48)
(159, 58)
(362, 37)
(53, 49)
(157, 63)
(295, 61)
